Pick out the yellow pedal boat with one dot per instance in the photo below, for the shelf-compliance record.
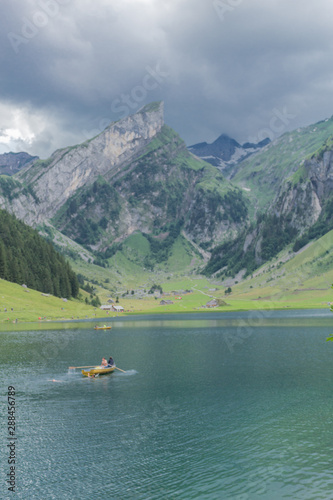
(99, 370)
(102, 327)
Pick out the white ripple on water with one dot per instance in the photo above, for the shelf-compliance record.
(128, 373)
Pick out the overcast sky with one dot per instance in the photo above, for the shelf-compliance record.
(247, 68)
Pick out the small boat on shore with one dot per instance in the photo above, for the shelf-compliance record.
(105, 327)
(98, 370)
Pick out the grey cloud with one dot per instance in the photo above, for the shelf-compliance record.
(226, 66)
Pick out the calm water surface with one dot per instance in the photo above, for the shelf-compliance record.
(227, 406)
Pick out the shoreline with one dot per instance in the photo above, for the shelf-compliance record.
(130, 316)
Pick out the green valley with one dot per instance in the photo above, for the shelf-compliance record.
(133, 212)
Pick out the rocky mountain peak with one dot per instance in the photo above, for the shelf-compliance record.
(11, 163)
(56, 179)
(225, 151)
(223, 147)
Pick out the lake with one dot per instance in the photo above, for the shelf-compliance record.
(232, 406)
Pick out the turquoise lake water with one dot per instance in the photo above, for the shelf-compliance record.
(232, 406)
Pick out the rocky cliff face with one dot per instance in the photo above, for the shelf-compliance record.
(55, 180)
(305, 194)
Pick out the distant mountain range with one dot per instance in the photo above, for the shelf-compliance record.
(136, 194)
(11, 163)
(225, 152)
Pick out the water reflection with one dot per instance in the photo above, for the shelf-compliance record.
(311, 317)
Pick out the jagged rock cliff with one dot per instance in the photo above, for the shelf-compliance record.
(55, 180)
(305, 194)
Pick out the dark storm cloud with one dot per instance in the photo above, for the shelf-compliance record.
(242, 67)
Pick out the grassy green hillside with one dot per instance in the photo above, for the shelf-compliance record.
(134, 265)
(303, 281)
(27, 305)
(261, 174)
